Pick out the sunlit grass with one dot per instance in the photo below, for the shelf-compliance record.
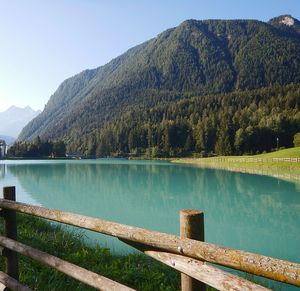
(265, 164)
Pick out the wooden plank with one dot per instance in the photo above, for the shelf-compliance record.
(199, 270)
(191, 226)
(10, 231)
(204, 272)
(2, 287)
(90, 278)
(264, 266)
(12, 283)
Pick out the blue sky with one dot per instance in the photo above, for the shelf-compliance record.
(45, 42)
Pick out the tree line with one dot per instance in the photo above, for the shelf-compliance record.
(242, 122)
(37, 149)
(246, 122)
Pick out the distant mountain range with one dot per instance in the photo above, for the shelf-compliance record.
(13, 120)
(8, 139)
(197, 58)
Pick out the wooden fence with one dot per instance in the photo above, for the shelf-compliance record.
(188, 253)
(257, 160)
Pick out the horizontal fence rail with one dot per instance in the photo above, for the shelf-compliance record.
(255, 160)
(11, 283)
(199, 270)
(90, 278)
(264, 266)
(205, 273)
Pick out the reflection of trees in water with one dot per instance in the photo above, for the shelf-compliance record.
(2, 171)
(246, 208)
(261, 209)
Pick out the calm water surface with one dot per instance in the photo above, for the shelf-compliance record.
(250, 212)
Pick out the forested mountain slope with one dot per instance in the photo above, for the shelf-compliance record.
(197, 58)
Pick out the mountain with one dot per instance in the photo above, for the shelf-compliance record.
(14, 119)
(197, 58)
(287, 23)
(8, 139)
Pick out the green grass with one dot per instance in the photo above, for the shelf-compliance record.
(135, 270)
(286, 153)
(266, 166)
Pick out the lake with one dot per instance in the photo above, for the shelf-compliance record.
(259, 214)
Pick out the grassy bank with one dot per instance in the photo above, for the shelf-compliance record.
(285, 153)
(282, 163)
(136, 271)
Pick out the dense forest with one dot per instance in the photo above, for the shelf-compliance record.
(206, 87)
(38, 149)
(233, 123)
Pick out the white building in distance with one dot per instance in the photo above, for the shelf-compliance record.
(3, 148)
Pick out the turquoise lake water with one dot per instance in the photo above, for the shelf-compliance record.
(250, 212)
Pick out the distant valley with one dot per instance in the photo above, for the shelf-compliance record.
(8, 139)
(13, 120)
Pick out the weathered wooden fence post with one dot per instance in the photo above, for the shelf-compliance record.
(12, 264)
(191, 226)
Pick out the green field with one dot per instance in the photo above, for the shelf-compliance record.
(283, 163)
(286, 153)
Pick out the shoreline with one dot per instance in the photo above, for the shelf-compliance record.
(286, 170)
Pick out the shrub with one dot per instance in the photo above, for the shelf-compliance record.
(296, 140)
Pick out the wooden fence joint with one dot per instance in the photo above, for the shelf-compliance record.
(191, 226)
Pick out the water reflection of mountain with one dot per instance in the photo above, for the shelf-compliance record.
(251, 212)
